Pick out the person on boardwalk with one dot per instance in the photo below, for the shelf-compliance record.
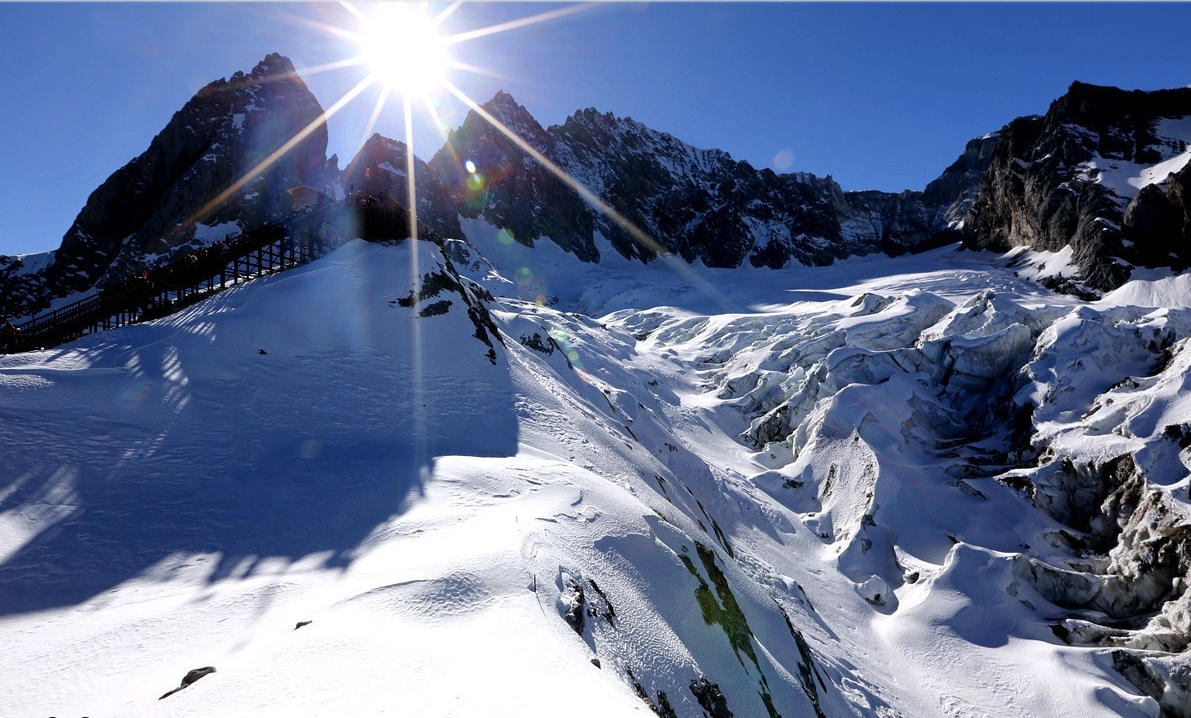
(9, 335)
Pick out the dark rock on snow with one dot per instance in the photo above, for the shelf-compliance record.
(189, 678)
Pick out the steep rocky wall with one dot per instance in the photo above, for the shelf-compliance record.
(1072, 176)
(700, 205)
(150, 206)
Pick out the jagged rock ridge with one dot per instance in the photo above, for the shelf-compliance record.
(1094, 173)
(697, 204)
(154, 204)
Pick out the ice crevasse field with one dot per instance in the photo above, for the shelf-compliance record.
(498, 481)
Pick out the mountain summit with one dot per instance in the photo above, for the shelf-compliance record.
(1104, 171)
(1091, 174)
(160, 203)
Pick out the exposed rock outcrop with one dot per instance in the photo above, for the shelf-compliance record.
(697, 204)
(489, 175)
(381, 170)
(189, 678)
(1091, 173)
(174, 196)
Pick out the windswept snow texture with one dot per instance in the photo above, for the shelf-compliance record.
(511, 484)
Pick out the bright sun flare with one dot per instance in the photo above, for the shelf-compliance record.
(403, 49)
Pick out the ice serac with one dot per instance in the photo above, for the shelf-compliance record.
(695, 203)
(163, 201)
(1093, 173)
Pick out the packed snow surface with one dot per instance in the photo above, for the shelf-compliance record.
(364, 487)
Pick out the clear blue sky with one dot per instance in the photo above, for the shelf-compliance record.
(880, 96)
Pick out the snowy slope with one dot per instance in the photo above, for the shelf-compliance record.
(603, 489)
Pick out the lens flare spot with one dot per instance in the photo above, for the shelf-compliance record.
(470, 167)
(475, 182)
(134, 397)
(783, 161)
(311, 449)
(504, 237)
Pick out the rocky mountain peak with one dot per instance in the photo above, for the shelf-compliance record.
(379, 166)
(513, 116)
(164, 201)
(381, 169)
(1078, 177)
(274, 65)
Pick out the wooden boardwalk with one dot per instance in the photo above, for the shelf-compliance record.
(161, 291)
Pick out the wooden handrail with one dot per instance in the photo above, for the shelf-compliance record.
(139, 297)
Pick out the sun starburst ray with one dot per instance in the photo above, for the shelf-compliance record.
(437, 120)
(353, 10)
(376, 110)
(475, 69)
(449, 11)
(518, 23)
(330, 66)
(333, 30)
(278, 153)
(641, 237)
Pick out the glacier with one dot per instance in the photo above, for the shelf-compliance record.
(479, 478)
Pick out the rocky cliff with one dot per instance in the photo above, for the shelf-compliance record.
(1104, 172)
(1093, 173)
(164, 201)
(693, 203)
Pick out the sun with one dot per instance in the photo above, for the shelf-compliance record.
(403, 48)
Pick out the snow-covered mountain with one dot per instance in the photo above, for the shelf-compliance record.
(487, 474)
(697, 204)
(160, 205)
(889, 487)
(1103, 173)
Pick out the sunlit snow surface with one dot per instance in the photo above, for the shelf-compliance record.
(305, 448)
(1126, 178)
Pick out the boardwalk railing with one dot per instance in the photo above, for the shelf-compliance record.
(158, 292)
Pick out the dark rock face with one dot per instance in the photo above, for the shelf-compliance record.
(190, 677)
(1069, 178)
(1158, 222)
(697, 204)
(509, 188)
(381, 170)
(151, 205)
(959, 185)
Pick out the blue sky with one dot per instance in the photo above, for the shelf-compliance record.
(880, 96)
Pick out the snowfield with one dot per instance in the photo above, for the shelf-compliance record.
(491, 480)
